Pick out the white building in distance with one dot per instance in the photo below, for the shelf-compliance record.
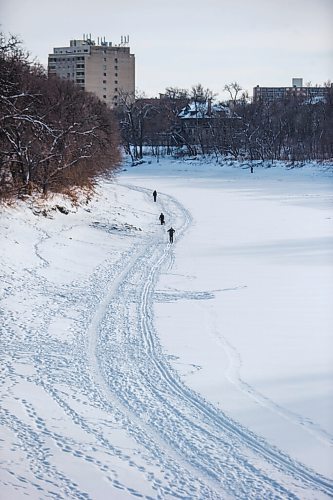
(103, 68)
(310, 95)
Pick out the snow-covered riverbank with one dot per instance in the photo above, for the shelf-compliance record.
(198, 370)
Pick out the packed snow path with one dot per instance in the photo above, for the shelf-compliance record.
(114, 403)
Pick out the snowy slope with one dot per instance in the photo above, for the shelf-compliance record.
(135, 368)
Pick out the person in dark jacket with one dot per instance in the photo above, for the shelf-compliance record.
(171, 232)
(155, 194)
(161, 217)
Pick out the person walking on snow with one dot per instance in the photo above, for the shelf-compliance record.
(171, 232)
(161, 217)
(155, 194)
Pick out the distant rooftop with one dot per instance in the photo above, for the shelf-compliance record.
(202, 110)
(101, 41)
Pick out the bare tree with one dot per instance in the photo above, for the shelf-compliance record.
(175, 93)
(50, 129)
(134, 113)
(233, 90)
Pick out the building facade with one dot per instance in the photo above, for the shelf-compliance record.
(105, 69)
(310, 94)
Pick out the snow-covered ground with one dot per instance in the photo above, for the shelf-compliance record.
(203, 369)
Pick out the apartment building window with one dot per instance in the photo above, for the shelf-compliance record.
(116, 82)
(104, 74)
(116, 74)
(104, 59)
(116, 60)
(116, 90)
(104, 96)
(104, 67)
(116, 67)
(104, 81)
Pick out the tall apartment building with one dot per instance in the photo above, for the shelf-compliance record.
(103, 68)
(270, 94)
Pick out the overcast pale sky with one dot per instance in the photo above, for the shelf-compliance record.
(182, 42)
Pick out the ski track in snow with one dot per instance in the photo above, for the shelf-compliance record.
(177, 443)
(234, 376)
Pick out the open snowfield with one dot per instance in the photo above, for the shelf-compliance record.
(204, 369)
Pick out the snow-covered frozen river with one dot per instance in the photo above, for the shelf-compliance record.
(203, 369)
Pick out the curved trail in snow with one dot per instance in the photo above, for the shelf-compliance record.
(115, 402)
(233, 374)
(223, 454)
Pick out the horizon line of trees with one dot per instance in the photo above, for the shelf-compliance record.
(53, 135)
(291, 129)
